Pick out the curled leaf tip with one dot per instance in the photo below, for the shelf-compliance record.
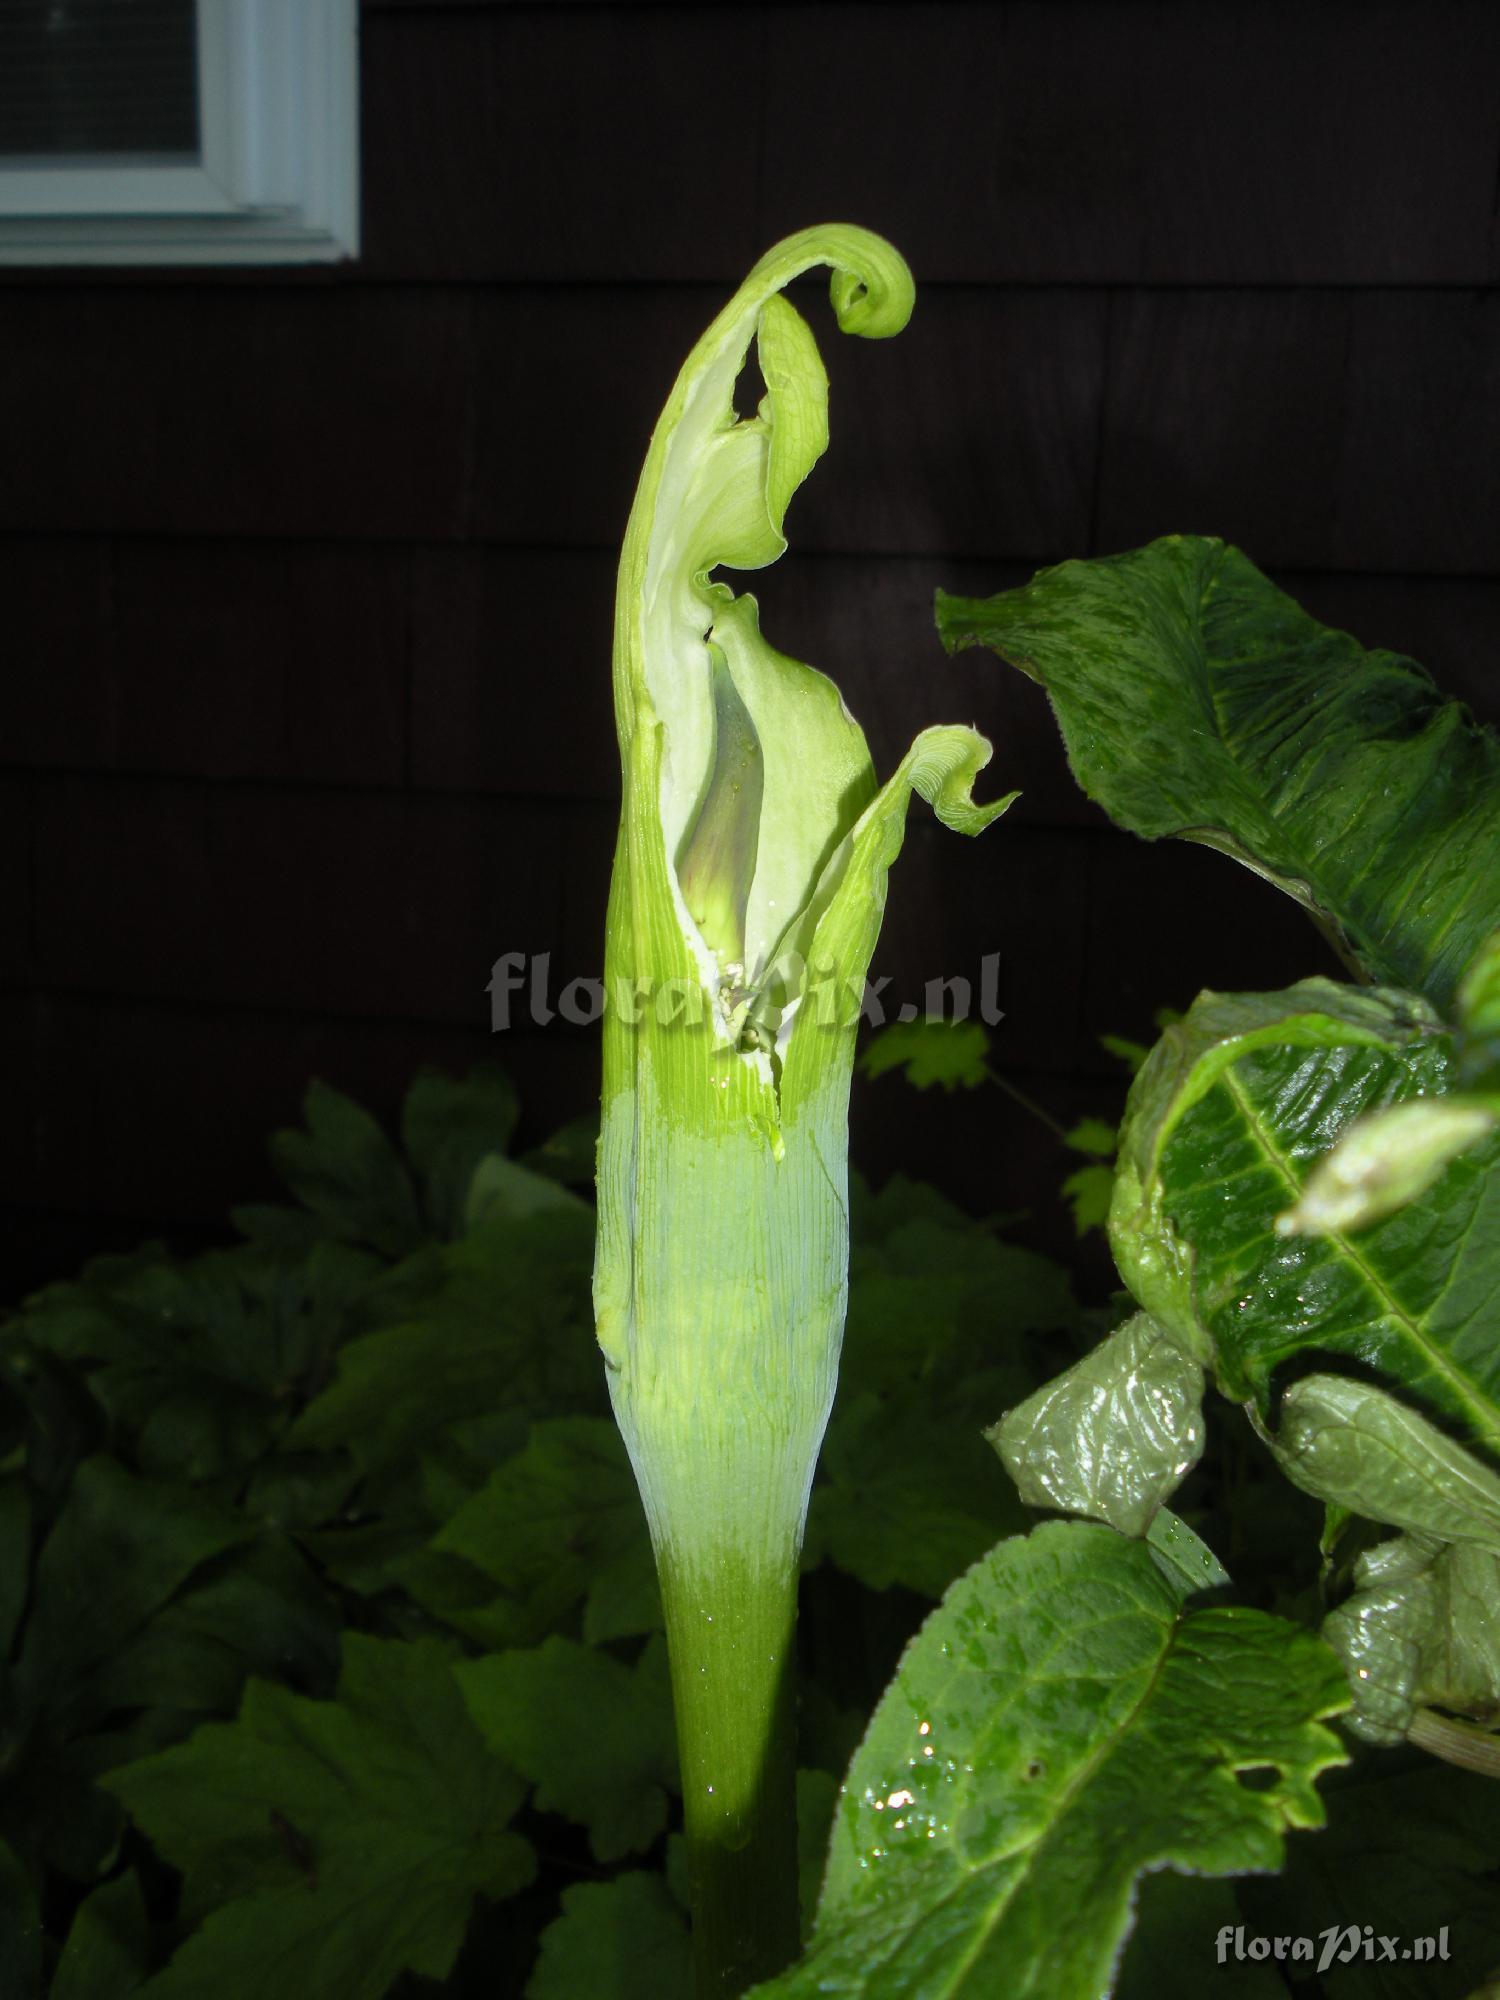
(942, 765)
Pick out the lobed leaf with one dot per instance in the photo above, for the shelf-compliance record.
(559, 1525)
(448, 1125)
(951, 1053)
(904, 1498)
(348, 1173)
(611, 1776)
(500, 1319)
(328, 1846)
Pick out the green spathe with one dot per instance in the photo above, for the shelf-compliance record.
(721, 1266)
(747, 895)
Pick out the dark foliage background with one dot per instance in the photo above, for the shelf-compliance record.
(305, 577)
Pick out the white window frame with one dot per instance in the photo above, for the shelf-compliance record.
(277, 177)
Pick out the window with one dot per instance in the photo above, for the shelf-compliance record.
(178, 131)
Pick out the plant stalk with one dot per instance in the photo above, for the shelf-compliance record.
(731, 1637)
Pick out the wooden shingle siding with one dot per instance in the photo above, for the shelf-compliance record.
(306, 576)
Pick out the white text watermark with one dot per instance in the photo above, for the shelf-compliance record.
(1339, 1944)
(523, 992)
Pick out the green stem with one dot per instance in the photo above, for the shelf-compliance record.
(730, 1634)
(1456, 1742)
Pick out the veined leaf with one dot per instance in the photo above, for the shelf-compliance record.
(1357, 1447)
(559, 1524)
(330, 1845)
(345, 1169)
(1223, 1126)
(196, 1362)
(1421, 1629)
(1197, 699)
(1479, 1019)
(611, 1776)
(503, 1320)
(1060, 1726)
(1115, 1435)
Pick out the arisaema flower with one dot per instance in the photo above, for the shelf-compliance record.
(748, 889)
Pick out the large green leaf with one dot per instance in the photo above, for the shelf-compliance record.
(1061, 1726)
(449, 1125)
(345, 1169)
(905, 1499)
(502, 1318)
(119, 1550)
(1224, 1124)
(197, 1363)
(611, 1775)
(558, 1525)
(329, 1845)
(1197, 699)
(620, 1940)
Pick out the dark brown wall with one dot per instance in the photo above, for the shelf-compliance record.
(305, 578)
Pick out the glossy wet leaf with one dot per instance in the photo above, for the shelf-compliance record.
(1385, 1162)
(1224, 1124)
(626, 1939)
(1197, 699)
(1115, 1435)
(1061, 1725)
(593, 1735)
(1356, 1446)
(328, 1846)
(1421, 1629)
(1479, 1019)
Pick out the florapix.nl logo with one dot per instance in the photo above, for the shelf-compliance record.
(525, 991)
